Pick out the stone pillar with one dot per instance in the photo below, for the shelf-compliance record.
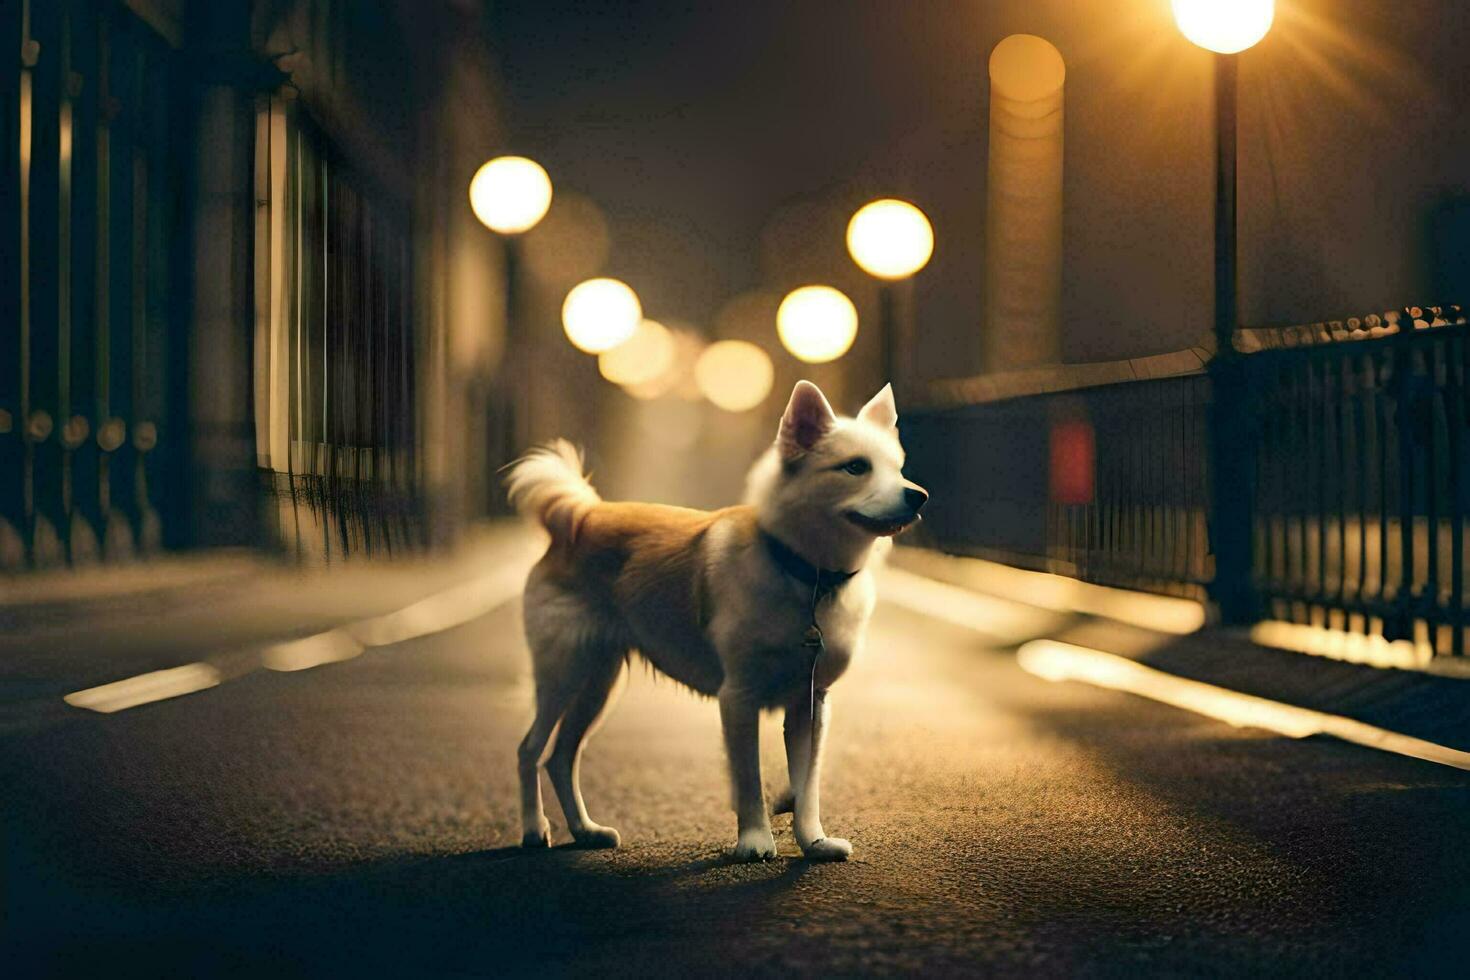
(1023, 255)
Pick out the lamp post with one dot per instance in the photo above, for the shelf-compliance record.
(510, 195)
(1228, 27)
(891, 240)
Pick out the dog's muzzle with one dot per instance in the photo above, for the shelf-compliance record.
(887, 525)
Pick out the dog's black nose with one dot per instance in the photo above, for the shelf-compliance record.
(914, 497)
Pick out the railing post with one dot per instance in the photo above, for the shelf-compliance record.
(1232, 428)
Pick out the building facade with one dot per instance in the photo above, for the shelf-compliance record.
(242, 301)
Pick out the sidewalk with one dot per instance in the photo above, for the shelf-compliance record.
(1432, 704)
(63, 633)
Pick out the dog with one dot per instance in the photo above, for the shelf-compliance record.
(761, 606)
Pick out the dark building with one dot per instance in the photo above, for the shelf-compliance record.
(227, 313)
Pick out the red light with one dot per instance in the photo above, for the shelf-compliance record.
(1073, 462)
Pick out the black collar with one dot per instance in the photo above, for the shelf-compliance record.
(823, 580)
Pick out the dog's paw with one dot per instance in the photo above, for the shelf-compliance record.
(755, 845)
(828, 849)
(539, 837)
(594, 837)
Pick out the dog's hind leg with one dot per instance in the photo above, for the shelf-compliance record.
(551, 704)
(580, 721)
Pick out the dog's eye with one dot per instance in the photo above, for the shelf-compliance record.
(857, 466)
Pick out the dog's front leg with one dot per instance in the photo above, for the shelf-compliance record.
(740, 716)
(806, 726)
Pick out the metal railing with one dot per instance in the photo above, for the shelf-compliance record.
(1360, 487)
(1095, 471)
(1352, 449)
(90, 439)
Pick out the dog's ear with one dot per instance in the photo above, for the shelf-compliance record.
(881, 410)
(808, 417)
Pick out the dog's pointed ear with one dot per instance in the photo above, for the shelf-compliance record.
(808, 417)
(881, 410)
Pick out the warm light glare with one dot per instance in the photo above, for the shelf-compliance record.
(890, 239)
(642, 358)
(817, 323)
(678, 378)
(1224, 26)
(1027, 71)
(1335, 644)
(734, 374)
(600, 314)
(157, 685)
(1055, 661)
(510, 194)
(1063, 594)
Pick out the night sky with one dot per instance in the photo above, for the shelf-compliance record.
(727, 143)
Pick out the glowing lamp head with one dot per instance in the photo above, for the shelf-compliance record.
(890, 239)
(734, 375)
(510, 194)
(1224, 26)
(600, 314)
(817, 323)
(641, 359)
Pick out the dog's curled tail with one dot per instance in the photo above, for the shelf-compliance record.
(547, 485)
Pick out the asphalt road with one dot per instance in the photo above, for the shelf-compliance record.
(360, 818)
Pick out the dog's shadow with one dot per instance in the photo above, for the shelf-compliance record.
(719, 869)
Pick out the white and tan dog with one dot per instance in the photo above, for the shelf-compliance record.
(761, 605)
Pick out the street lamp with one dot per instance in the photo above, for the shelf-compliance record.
(734, 374)
(641, 359)
(600, 314)
(817, 323)
(1228, 27)
(510, 195)
(1224, 26)
(890, 240)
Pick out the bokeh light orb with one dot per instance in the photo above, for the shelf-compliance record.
(599, 314)
(642, 358)
(1224, 26)
(1027, 69)
(817, 323)
(677, 379)
(890, 239)
(510, 194)
(734, 374)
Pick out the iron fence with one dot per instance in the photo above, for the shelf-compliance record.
(90, 445)
(1360, 489)
(1353, 449)
(1096, 477)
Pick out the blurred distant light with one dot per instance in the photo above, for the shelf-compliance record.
(1224, 26)
(817, 323)
(678, 378)
(1029, 70)
(600, 314)
(734, 375)
(642, 358)
(890, 239)
(510, 194)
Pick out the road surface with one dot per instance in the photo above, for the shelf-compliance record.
(360, 818)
